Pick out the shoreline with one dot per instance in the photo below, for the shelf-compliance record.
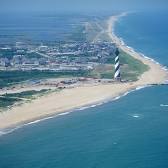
(12, 128)
(57, 104)
(159, 71)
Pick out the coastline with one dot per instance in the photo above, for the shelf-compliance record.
(70, 99)
(12, 128)
(157, 74)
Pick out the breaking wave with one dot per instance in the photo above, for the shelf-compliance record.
(10, 130)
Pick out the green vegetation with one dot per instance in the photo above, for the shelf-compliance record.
(131, 68)
(26, 94)
(8, 100)
(102, 71)
(8, 78)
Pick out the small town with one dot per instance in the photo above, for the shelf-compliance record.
(63, 56)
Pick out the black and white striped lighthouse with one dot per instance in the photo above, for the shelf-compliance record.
(117, 74)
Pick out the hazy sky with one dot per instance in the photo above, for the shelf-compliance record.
(80, 5)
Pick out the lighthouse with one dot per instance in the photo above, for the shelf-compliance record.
(117, 74)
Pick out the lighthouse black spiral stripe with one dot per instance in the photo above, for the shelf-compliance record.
(117, 68)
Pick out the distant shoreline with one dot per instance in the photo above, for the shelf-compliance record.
(69, 99)
(157, 74)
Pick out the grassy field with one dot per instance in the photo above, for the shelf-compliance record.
(8, 100)
(26, 94)
(8, 78)
(131, 68)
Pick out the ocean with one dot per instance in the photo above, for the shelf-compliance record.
(130, 132)
(146, 32)
(37, 27)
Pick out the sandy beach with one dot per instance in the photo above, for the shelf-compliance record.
(69, 99)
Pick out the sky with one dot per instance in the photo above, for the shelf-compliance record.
(81, 5)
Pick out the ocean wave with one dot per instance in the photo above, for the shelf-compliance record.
(116, 98)
(10, 130)
(46, 118)
(37, 121)
(2, 133)
(61, 114)
(165, 68)
(122, 42)
(154, 61)
(166, 82)
(82, 108)
(130, 48)
(128, 92)
(163, 105)
(141, 87)
(144, 56)
(137, 116)
(89, 106)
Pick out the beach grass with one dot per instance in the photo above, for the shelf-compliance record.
(9, 78)
(131, 68)
(8, 100)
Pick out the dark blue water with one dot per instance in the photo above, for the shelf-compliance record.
(128, 133)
